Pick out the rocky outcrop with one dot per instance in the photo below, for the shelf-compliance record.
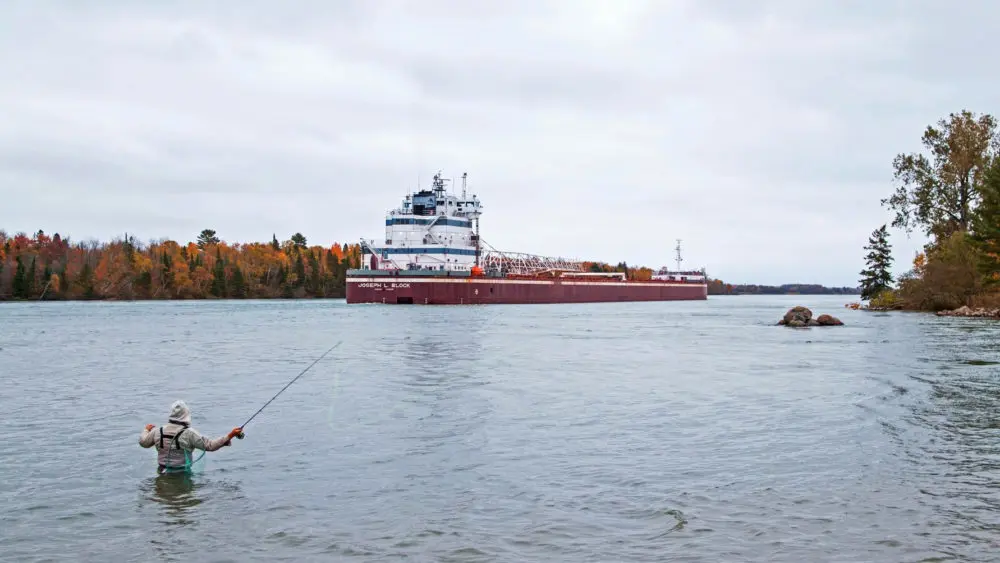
(828, 320)
(797, 314)
(800, 316)
(970, 312)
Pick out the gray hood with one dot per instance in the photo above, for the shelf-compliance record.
(180, 413)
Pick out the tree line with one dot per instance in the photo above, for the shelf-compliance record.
(718, 287)
(950, 192)
(43, 267)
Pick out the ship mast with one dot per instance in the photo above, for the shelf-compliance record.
(679, 259)
(474, 215)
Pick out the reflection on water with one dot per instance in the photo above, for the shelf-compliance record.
(177, 494)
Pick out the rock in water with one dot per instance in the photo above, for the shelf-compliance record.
(828, 320)
(801, 316)
(798, 313)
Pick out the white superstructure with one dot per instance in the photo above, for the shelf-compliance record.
(434, 230)
(431, 230)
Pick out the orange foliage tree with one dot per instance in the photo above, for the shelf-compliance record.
(43, 267)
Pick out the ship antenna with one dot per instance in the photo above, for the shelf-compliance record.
(464, 176)
(679, 259)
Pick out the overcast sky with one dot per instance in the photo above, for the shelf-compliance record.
(761, 133)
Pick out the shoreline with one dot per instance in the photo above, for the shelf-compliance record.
(970, 313)
(961, 312)
(168, 299)
(4, 301)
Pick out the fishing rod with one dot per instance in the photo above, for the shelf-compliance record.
(244, 425)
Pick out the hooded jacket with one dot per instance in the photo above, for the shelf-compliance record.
(176, 438)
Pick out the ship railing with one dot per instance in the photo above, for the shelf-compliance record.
(368, 247)
(520, 263)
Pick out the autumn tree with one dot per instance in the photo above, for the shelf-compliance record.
(876, 277)
(207, 237)
(39, 266)
(946, 277)
(938, 193)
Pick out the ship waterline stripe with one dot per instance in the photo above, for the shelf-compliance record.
(458, 280)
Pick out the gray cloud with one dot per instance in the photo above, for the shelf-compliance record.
(761, 133)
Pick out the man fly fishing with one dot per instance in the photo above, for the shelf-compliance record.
(176, 440)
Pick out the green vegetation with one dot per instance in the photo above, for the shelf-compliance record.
(951, 194)
(876, 278)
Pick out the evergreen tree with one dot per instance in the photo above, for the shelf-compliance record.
(128, 247)
(986, 226)
(46, 276)
(314, 277)
(64, 281)
(330, 278)
(238, 286)
(876, 278)
(168, 271)
(274, 242)
(144, 282)
(20, 284)
(31, 280)
(207, 237)
(299, 240)
(86, 281)
(300, 272)
(219, 276)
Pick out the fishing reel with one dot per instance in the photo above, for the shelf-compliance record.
(240, 436)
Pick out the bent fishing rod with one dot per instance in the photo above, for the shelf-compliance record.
(244, 425)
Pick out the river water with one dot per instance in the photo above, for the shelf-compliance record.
(608, 432)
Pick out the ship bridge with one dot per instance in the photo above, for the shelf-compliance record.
(431, 230)
(434, 230)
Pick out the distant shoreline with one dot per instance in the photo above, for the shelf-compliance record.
(169, 299)
(307, 298)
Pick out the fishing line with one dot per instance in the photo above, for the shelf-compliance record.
(289, 384)
(190, 463)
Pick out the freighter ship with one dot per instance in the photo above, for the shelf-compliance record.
(433, 255)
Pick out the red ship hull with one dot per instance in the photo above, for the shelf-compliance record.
(475, 291)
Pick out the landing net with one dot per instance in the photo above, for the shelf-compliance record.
(191, 465)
